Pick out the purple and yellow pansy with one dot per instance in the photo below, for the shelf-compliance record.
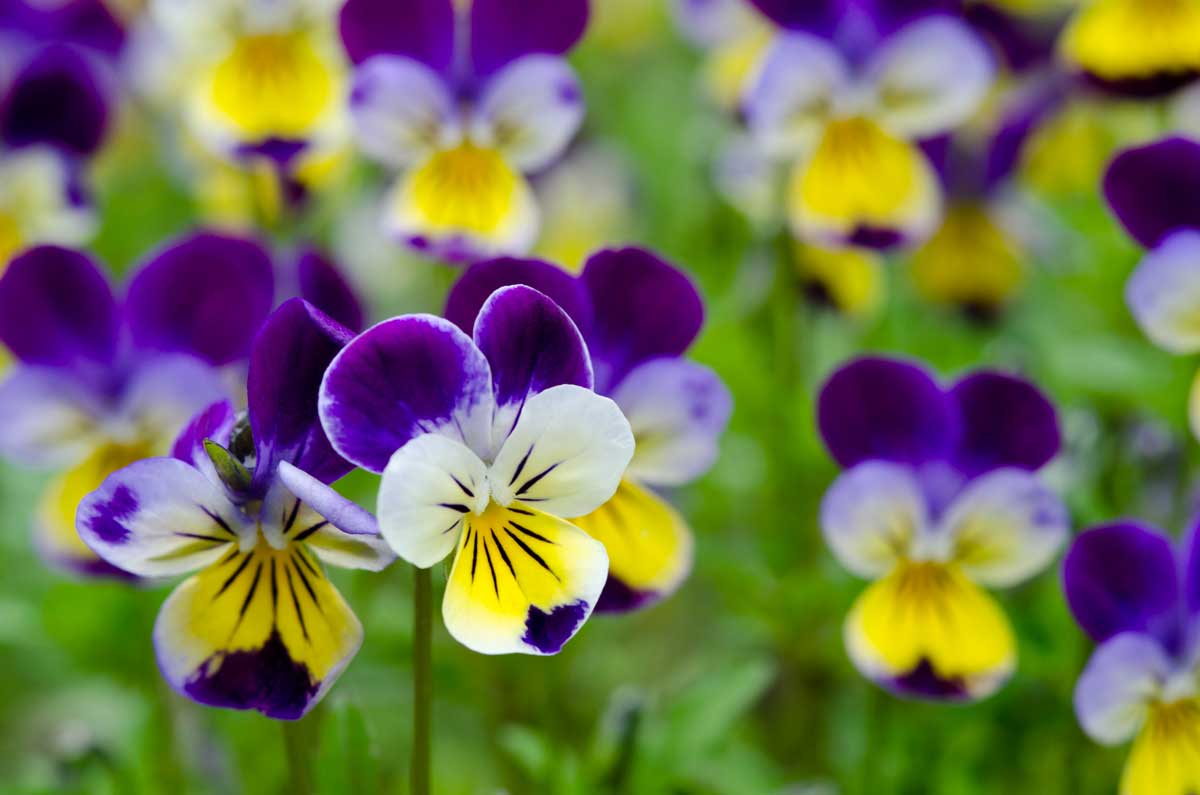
(486, 443)
(940, 496)
(1137, 594)
(244, 502)
(638, 315)
(464, 101)
(1153, 191)
(846, 93)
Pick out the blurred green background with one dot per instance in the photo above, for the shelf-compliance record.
(738, 684)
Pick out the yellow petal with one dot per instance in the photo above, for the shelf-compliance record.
(649, 546)
(850, 279)
(929, 622)
(969, 261)
(1165, 759)
(1120, 39)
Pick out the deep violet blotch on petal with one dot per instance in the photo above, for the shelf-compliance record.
(56, 99)
(549, 632)
(267, 680)
(618, 597)
(924, 682)
(107, 521)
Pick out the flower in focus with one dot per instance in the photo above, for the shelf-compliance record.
(638, 315)
(1152, 189)
(845, 94)
(99, 382)
(245, 504)
(261, 83)
(1134, 46)
(485, 443)
(464, 106)
(940, 496)
(1135, 594)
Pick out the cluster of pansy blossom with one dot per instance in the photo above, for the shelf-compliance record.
(101, 381)
(463, 106)
(57, 91)
(1151, 189)
(1137, 594)
(941, 495)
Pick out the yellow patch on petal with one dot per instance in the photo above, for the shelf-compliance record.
(969, 261)
(848, 278)
(240, 602)
(1165, 759)
(273, 85)
(860, 177)
(1120, 39)
(1065, 154)
(734, 65)
(11, 238)
(522, 581)
(649, 544)
(929, 614)
(55, 531)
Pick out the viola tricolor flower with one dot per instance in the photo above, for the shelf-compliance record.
(100, 383)
(245, 504)
(941, 496)
(259, 80)
(464, 104)
(849, 280)
(736, 39)
(638, 315)
(1152, 190)
(1134, 46)
(1138, 595)
(485, 444)
(846, 93)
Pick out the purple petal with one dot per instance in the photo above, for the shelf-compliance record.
(402, 378)
(1006, 422)
(1191, 569)
(206, 294)
(1024, 42)
(326, 288)
(1019, 122)
(504, 30)
(289, 359)
(1122, 578)
(480, 280)
(644, 308)
(57, 309)
(875, 408)
(88, 23)
(891, 15)
(812, 16)
(342, 513)
(57, 100)
(215, 423)
(531, 345)
(418, 29)
(1153, 189)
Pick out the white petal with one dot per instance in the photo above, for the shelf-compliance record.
(566, 455)
(1118, 685)
(430, 484)
(801, 79)
(871, 517)
(530, 111)
(1164, 293)
(931, 76)
(401, 109)
(1006, 527)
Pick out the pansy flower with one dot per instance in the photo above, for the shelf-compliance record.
(1134, 46)
(849, 280)
(846, 94)
(486, 443)
(464, 103)
(734, 36)
(940, 496)
(244, 503)
(638, 315)
(1138, 595)
(1024, 32)
(101, 382)
(1153, 191)
(259, 81)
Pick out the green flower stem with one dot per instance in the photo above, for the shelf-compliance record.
(422, 680)
(300, 745)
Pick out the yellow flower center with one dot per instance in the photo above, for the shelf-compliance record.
(10, 238)
(466, 188)
(1135, 38)
(273, 85)
(1165, 759)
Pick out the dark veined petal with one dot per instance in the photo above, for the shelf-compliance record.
(523, 581)
(1122, 578)
(57, 309)
(205, 294)
(504, 30)
(288, 362)
(885, 409)
(262, 629)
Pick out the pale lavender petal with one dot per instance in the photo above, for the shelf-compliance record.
(531, 110)
(48, 418)
(1115, 691)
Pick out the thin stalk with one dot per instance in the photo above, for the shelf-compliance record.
(422, 681)
(299, 744)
